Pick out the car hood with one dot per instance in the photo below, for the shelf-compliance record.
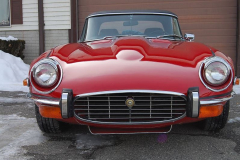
(134, 48)
(131, 63)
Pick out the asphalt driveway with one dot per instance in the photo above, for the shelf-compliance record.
(21, 138)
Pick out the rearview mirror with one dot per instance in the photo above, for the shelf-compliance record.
(189, 37)
(130, 23)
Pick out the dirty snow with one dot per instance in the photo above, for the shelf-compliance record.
(13, 71)
(234, 120)
(14, 100)
(9, 38)
(236, 89)
(20, 131)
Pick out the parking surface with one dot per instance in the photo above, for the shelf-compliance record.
(21, 138)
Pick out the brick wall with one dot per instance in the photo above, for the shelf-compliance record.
(31, 50)
(54, 38)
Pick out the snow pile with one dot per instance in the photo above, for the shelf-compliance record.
(9, 38)
(13, 71)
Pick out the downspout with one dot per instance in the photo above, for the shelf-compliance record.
(238, 40)
(73, 30)
(77, 12)
(41, 27)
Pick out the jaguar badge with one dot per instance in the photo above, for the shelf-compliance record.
(130, 102)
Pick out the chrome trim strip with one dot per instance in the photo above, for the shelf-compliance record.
(130, 13)
(210, 60)
(59, 81)
(195, 107)
(214, 101)
(130, 91)
(64, 107)
(128, 133)
(45, 101)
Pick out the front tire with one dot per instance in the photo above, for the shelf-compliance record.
(216, 123)
(49, 125)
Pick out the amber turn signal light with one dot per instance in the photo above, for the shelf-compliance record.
(50, 112)
(237, 81)
(210, 111)
(26, 82)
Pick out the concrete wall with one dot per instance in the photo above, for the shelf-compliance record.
(54, 38)
(32, 42)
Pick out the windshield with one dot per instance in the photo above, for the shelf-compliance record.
(149, 26)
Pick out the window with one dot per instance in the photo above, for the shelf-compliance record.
(11, 12)
(149, 25)
(5, 13)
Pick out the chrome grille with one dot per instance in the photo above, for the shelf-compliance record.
(149, 107)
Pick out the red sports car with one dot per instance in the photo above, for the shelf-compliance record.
(131, 72)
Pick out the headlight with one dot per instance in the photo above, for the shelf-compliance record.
(45, 73)
(216, 73)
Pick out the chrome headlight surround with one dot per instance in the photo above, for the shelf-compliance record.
(206, 63)
(51, 87)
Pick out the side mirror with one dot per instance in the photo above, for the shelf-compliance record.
(189, 37)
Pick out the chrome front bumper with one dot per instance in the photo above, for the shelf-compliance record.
(65, 102)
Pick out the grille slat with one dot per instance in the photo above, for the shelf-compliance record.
(124, 100)
(128, 109)
(135, 105)
(123, 113)
(149, 107)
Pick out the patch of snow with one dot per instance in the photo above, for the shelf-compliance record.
(14, 100)
(88, 141)
(22, 94)
(13, 71)
(236, 89)
(234, 120)
(24, 132)
(12, 117)
(9, 38)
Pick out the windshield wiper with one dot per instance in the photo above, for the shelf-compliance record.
(112, 37)
(170, 35)
(118, 36)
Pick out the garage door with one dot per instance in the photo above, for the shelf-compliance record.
(212, 21)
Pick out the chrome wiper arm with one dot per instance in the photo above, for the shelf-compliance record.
(114, 37)
(108, 37)
(170, 35)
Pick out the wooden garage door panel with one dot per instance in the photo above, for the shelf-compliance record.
(163, 3)
(212, 21)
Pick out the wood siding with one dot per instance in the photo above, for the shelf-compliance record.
(30, 17)
(212, 21)
(57, 14)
